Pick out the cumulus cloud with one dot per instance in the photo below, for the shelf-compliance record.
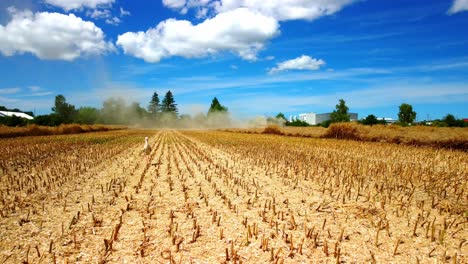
(302, 63)
(241, 31)
(458, 6)
(68, 5)
(279, 9)
(51, 36)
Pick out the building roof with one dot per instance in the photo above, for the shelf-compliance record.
(18, 114)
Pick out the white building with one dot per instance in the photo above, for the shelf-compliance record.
(18, 114)
(310, 118)
(387, 120)
(315, 119)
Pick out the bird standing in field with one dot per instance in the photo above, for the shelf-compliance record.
(147, 150)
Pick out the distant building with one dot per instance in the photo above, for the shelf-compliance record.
(387, 120)
(308, 118)
(292, 118)
(315, 119)
(18, 114)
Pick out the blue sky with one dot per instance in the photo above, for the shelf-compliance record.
(257, 57)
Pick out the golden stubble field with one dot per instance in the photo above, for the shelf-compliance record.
(220, 197)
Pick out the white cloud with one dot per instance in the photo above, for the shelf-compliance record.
(124, 12)
(301, 63)
(106, 14)
(174, 4)
(458, 6)
(287, 9)
(34, 88)
(68, 5)
(279, 9)
(9, 90)
(182, 6)
(113, 21)
(51, 36)
(39, 94)
(97, 14)
(147, 45)
(241, 31)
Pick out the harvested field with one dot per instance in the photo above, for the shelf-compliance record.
(438, 137)
(64, 129)
(221, 197)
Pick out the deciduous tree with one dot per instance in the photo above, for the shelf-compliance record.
(406, 114)
(341, 113)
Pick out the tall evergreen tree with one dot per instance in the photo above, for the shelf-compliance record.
(154, 107)
(216, 107)
(168, 104)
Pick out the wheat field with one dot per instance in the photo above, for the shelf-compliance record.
(223, 197)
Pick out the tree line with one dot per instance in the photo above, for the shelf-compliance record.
(115, 111)
(406, 116)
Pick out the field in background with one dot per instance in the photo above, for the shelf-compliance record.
(35, 130)
(222, 197)
(439, 137)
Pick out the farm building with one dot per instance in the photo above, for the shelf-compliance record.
(18, 114)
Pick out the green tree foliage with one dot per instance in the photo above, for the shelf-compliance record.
(48, 120)
(218, 115)
(65, 111)
(340, 114)
(371, 120)
(298, 123)
(216, 107)
(12, 120)
(87, 115)
(168, 104)
(450, 120)
(406, 114)
(154, 107)
(325, 124)
(281, 116)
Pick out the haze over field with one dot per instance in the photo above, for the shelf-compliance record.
(257, 57)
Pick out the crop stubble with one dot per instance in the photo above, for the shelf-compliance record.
(214, 197)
